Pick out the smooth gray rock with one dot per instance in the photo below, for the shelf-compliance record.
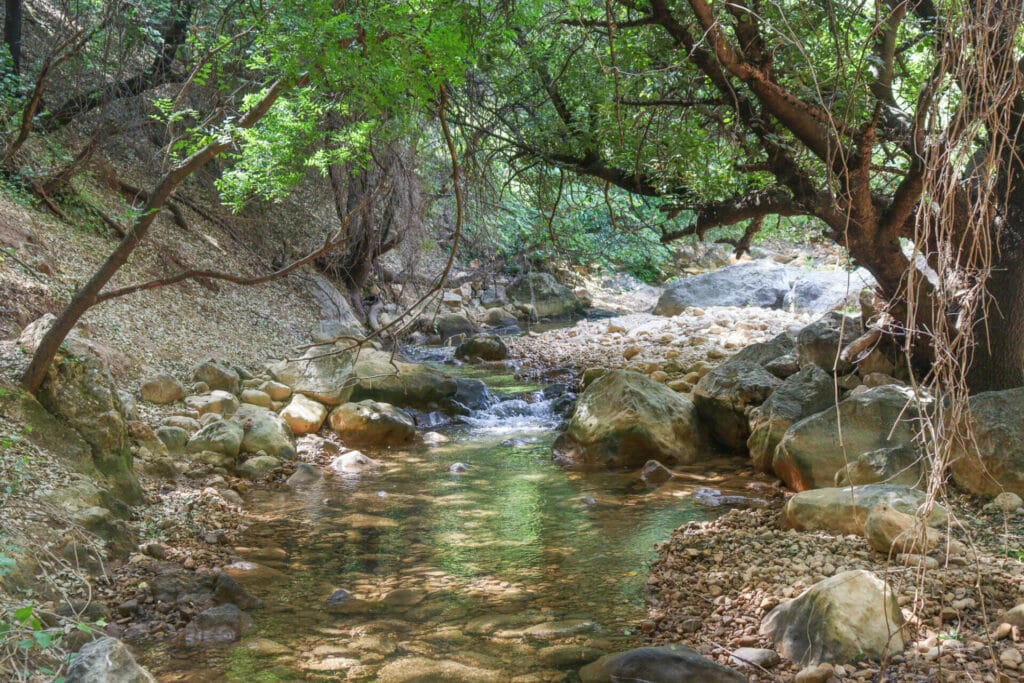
(814, 449)
(666, 664)
(724, 396)
(221, 624)
(217, 376)
(994, 460)
(809, 391)
(623, 419)
(844, 510)
(844, 618)
(106, 660)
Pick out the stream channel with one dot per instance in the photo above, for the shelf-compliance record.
(513, 570)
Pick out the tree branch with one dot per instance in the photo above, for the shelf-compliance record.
(755, 205)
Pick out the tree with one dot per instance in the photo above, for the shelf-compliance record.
(379, 57)
(850, 114)
(12, 32)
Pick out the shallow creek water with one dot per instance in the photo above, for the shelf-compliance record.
(515, 569)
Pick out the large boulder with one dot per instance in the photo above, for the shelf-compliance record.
(811, 452)
(453, 325)
(993, 461)
(217, 375)
(408, 385)
(265, 431)
(665, 664)
(161, 388)
(543, 293)
(369, 423)
(106, 660)
(482, 347)
(820, 342)
(725, 395)
(763, 283)
(81, 393)
(807, 392)
(889, 530)
(304, 415)
(323, 373)
(222, 403)
(844, 510)
(221, 624)
(764, 353)
(222, 436)
(895, 465)
(623, 419)
(842, 619)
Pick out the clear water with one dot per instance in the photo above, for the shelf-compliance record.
(512, 543)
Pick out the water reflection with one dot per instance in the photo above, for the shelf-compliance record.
(428, 554)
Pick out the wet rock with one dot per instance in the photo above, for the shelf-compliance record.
(501, 319)
(483, 347)
(221, 624)
(434, 438)
(406, 385)
(993, 462)
(458, 468)
(545, 295)
(654, 473)
(820, 342)
(811, 452)
(423, 670)
(265, 431)
(222, 436)
(723, 397)
(559, 629)
(809, 391)
(666, 664)
(162, 389)
(304, 415)
(257, 467)
(354, 462)
(844, 511)
(106, 660)
(625, 419)
(562, 656)
(323, 373)
(219, 402)
(305, 475)
(369, 423)
(896, 465)
(471, 394)
(228, 591)
(217, 376)
(338, 597)
(846, 617)
(404, 597)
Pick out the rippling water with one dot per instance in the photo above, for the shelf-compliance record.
(479, 559)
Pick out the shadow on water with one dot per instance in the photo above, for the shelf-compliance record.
(447, 567)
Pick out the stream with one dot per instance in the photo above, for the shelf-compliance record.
(513, 570)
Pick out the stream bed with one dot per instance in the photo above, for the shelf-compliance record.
(514, 570)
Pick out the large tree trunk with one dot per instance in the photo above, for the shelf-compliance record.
(999, 354)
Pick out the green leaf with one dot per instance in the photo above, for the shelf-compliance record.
(24, 614)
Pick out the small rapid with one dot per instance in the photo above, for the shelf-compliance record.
(503, 566)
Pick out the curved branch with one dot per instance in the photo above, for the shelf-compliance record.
(755, 205)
